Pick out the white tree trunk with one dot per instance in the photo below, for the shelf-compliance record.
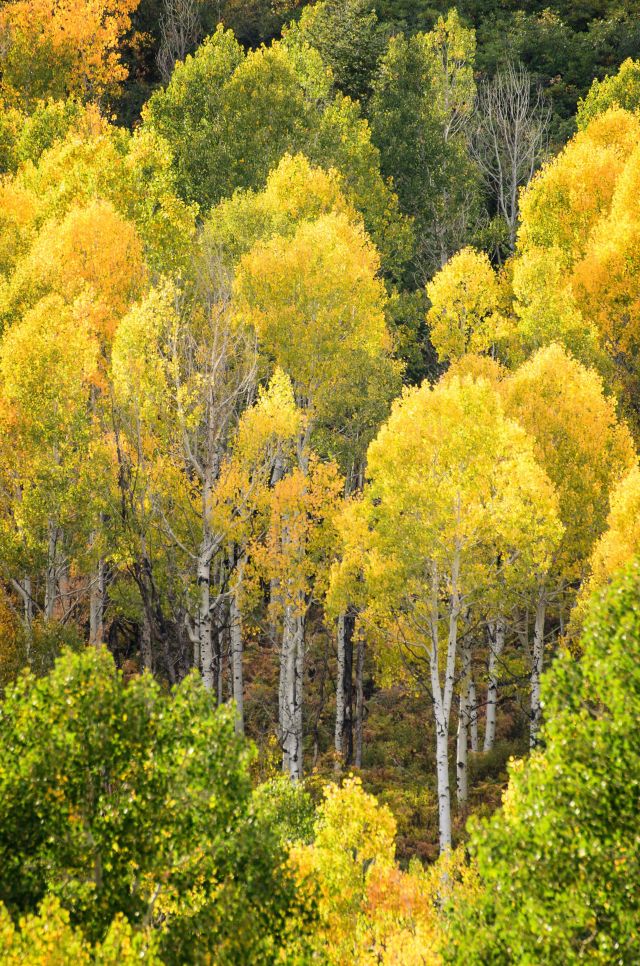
(282, 696)
(51, 578)
(205, 630)
(292, 682)
(443, 696)
(473, 715)
(536, 668)
(340, 707)
(462, 749)
(295, 759)
(442, 770)
(359, 735)
(496, 646)
(236, 650)
(96, 605)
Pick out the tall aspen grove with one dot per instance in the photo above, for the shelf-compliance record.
(319, 482)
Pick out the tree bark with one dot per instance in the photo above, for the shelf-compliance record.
(359, 729)
(347, 734)
(51, 579)
(237, 649)
(444, 795)
(496, 646)
(96, 605)
(146, 643)
(443, 696)
(344, 690)
(292, 688)
(473, 715)
(204, 625)
(462, 750)
(536, 668)
(340, 695)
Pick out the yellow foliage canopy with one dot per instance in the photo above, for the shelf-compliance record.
(63, 47)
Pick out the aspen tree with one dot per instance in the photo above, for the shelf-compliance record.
(55, 50)
(48, 361)
(453, 483)
(466, 311)
(317, 306)
(584, 449)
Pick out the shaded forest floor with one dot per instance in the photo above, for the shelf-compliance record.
(398, 756)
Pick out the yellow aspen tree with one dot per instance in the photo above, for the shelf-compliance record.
(616, 548)
(48, 363)
(607, 279)
(57, 49)
(573, 191)
(466, 307)
(317, 305)
(296, 554)
(584, 449)
(94, 254)
(454, 486)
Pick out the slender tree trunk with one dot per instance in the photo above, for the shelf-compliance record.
(443, 696)
(462, 750)
(295, 762)
(536, 667)
(359, 728)
(205, 629)
(473, 715)
(282, 694)
(96, 605)
(219, 664)
(347, 734)
(51, 581)
(293, 658)
(340, 703)
(146, 643)
(24, 589)
(496, 646)
(237, 648)
(442, 771)
(344, 690)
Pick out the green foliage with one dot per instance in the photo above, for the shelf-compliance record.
(229, 120)
(287, 808)
(36, 647)
(50, 121)
(350, 40)
(120, 799)
(422, 94)
(559, 863)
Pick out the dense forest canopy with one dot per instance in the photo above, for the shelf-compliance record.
(319, 482)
